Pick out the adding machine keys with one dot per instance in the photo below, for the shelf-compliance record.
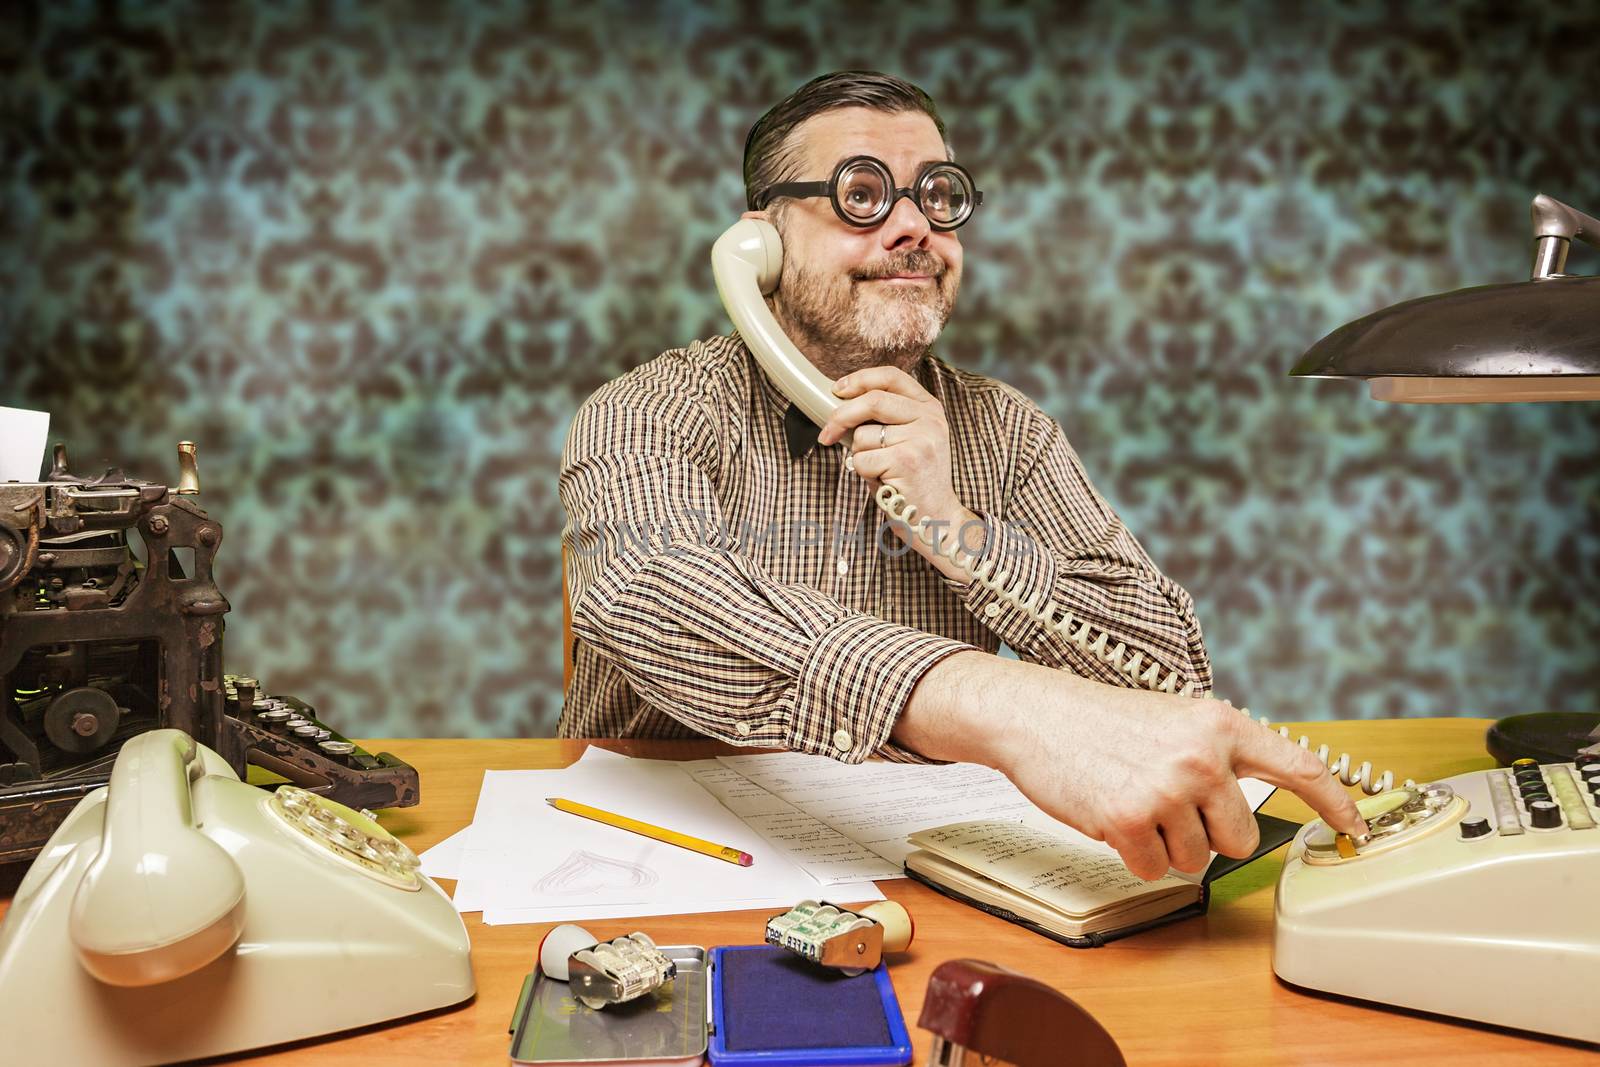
(1525, 798)
(1393, 818)
(1489, 873)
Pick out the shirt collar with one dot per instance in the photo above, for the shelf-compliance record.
(799, 431)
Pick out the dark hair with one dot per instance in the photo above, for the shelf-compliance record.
(769, 155)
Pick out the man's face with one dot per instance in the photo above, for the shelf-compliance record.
(860, 297)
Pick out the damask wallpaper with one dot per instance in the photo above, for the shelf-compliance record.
(372, 257)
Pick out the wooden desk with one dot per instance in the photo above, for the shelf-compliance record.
(1198, 992)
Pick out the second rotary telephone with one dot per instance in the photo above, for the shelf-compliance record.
(1467, 898)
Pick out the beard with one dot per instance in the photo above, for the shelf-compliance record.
(845, 322)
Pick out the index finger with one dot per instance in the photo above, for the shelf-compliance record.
(1269, 756)
(889, 379)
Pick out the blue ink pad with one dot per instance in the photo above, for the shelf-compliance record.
(771, 1007)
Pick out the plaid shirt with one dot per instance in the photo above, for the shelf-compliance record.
(730, 577)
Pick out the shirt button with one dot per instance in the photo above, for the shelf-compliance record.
(842, 741)
(742, 729)
(992, 609)
(842, 565)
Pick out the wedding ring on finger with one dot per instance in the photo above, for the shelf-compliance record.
(883, 435)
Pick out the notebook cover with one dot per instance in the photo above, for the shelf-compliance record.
(1275, 833)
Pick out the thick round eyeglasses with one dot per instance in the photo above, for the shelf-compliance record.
(863, 192)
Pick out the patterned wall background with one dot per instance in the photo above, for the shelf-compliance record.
(371, 257)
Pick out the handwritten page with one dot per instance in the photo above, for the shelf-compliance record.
(1073, 874)
(826, 854)
(877, 805)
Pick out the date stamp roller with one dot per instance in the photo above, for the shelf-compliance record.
(851, 941)
(602, 973)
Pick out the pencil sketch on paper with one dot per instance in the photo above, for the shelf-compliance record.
(585, 872)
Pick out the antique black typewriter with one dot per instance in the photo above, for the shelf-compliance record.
(110, 625)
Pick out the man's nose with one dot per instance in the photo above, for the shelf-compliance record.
(906, 226)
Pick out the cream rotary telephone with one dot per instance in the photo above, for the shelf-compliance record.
(180, 913)
(1470, 897)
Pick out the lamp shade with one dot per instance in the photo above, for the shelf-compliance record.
(1533, 340)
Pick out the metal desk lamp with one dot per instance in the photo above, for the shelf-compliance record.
(1532, 340)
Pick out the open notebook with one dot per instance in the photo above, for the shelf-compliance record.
(1068, 888)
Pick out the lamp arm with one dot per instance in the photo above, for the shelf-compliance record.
(1555, 226)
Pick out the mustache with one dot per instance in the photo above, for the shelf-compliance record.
(911, 261)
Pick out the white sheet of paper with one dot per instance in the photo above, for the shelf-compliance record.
(444, 859)
(529, 862)
(595, 752)
(470, 884)
(23, 436)
(826, 854)
(847, 893)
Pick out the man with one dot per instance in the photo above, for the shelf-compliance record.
(706, 600)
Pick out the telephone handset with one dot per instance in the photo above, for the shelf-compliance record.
(747, 262)
(135, 920)
(179, 913)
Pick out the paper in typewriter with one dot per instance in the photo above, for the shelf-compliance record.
(23, 436)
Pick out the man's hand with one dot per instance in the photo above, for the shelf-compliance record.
(1153, 775)
(896, 432)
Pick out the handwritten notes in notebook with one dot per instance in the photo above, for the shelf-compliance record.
(1073, 876)
(848, 821)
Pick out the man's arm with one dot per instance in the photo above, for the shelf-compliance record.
(1059, 542)
(698, 630)
(1055, 540)
(1151, 774)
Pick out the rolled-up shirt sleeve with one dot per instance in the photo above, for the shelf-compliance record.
(699, 630)
(1058, 546)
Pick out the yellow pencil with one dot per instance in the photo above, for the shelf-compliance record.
(671, 837)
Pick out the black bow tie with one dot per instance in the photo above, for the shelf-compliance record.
(799, 431)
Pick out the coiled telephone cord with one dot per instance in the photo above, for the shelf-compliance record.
(1124, 660)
